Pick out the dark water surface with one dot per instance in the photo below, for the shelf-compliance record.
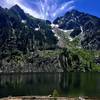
(67, 84)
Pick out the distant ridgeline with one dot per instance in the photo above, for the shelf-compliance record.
(28, 44)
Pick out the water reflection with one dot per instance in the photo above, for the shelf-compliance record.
(76, 84)
(44, 83)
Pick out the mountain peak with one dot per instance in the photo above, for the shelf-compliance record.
(15, 7)
(73, 12)
(84, 24)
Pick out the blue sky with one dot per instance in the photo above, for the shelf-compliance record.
(89, 6)
(50, 9)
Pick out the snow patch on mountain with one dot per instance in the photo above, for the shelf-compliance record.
(56, 35)
(66, 31)
(37, 29)
(70, 39)
(23, 21)
(54, 25)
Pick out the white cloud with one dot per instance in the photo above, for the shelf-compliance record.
(47, 9)
(10, 3)
(30, 11)
(68, 6)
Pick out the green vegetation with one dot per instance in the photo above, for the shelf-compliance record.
(50, 53)
(88, 58)
(55, 93)
(84, 60)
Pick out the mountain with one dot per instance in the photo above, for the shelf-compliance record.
(84, 25)
(20, 31)
(21, 38)
(28, 44)
(17, 11)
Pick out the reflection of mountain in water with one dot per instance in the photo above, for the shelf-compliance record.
(44, 84)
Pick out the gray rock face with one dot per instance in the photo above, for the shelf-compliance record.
(86, 25)
(63, 62)
(23, 32)
(37, 65)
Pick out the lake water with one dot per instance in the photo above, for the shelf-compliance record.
(67, 84)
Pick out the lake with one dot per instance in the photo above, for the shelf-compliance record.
(67, 84)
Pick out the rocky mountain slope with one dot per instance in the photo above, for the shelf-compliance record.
(23, 32)
(28, 44)
(20, 36)
(84, 25)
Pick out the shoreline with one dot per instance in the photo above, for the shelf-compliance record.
(49, 98)
(11, 73)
